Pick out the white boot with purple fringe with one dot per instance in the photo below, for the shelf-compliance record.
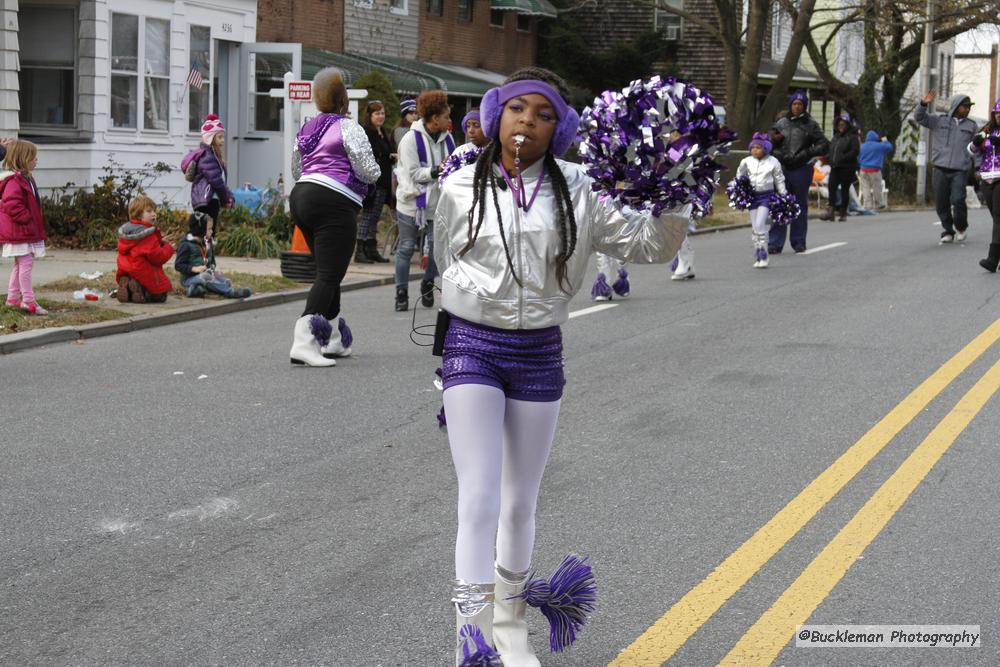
(312, 332)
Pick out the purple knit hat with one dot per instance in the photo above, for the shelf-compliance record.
(472, 115)
(801, 96)
(760, 139)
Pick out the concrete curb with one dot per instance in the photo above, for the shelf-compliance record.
(37, 338)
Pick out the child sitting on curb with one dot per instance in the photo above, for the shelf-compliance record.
(142, 252)
(196, 262)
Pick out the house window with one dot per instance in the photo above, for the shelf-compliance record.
(496, 17)
(435, 7)
(199, 78)
(667, 24)
(523, 23)
(399, 7)
(269, 72)
(48, 76)
(140, 82)
(464, 10)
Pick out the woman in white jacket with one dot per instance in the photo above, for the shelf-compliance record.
(766, 177)
(515, 232)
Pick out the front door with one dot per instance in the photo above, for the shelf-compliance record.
(260, 137)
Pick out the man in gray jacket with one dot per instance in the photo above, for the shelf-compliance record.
(950, 136)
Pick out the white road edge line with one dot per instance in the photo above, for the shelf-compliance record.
(824, 247)
(592, 309)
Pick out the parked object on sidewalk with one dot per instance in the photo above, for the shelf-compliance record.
(142, 252)
(22, 227)
(298, 263)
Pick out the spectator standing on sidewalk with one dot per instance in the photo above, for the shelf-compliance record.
(797, 140)
(843, 156)
(22, 226)
(407, 116)
(371, 211)
(209, 191)
(950, 136)
(871, 159)
(334, 167)
(986, 143)
(421, 153)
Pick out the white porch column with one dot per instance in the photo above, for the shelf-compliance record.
(10, 103)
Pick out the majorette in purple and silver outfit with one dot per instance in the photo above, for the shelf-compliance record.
(986, 144)
(334, 167)
(766, 177)
(502, 366)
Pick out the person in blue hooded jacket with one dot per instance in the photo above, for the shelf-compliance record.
(950, 137)
(797, 140)
(870, 159)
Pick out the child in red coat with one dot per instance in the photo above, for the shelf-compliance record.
(22, 228)
(142, 252)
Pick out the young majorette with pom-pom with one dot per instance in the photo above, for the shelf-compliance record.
(763, 173)
(515, 232)
(337, 168)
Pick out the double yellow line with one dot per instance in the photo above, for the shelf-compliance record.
(773, 630)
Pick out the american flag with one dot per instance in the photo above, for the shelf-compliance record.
(195, 79)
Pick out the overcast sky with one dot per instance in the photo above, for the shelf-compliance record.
(978, 41)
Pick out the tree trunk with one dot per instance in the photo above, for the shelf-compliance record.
(778, 94)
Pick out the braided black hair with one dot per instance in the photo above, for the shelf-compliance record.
(484, 176)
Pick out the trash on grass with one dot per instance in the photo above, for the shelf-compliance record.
(87, 294)
(91, 276)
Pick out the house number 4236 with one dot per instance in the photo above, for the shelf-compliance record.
(227, 27)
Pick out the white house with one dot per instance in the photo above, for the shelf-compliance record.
(133, 78)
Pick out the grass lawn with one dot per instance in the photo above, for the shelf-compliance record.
(61, 314)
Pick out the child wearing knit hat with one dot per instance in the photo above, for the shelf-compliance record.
(209, 191)
(764, 172)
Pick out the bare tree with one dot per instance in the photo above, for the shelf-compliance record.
(893, 35)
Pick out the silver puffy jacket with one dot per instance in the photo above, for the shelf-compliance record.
(479, 286)
(764, 174)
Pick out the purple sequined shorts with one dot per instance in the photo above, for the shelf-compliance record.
(761, 199)
(525, 363)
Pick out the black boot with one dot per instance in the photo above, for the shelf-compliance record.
(828, 215)
(402, 299)
(360, 255)
(371, 252)
(427, 293)
(991, 262)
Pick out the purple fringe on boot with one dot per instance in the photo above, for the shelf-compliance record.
(442, 420)
(566, 599)
(346, 337)
(761, 254)
(321, 329)
(601, 287)
(674, 264)
(480, 654)
(621, 286)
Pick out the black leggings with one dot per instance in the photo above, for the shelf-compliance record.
(328, 221)
(212, 208)
(991, 193)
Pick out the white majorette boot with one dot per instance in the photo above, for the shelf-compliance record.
(473, 624)
(760, 248)
(684, 262)
(341, 339)
(312, 332)
(510, 630)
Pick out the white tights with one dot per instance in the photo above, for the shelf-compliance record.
(760, 220)
(500, 447)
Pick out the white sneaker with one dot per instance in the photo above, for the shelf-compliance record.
(947, 237)
(960, 236)
(686, 275)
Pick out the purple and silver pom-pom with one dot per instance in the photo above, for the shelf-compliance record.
(621, 286)
(480, 653)
(653, 145)
(321, 329)
(784, 208)
(566, 599)
(346, 337)
(740, 192)
(457, 160)
(601, 287)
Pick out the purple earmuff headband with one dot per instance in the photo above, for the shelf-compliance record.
(493, 103)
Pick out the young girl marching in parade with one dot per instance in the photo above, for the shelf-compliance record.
(763, 173)
(515, 232)
(986, 143)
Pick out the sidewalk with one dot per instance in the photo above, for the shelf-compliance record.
(62, 263)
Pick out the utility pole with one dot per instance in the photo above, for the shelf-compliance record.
(924, 148)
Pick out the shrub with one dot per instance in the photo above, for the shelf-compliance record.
(248, 240)
(379, 88)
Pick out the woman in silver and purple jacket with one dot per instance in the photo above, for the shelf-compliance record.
(334, 167)
(986, 144)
